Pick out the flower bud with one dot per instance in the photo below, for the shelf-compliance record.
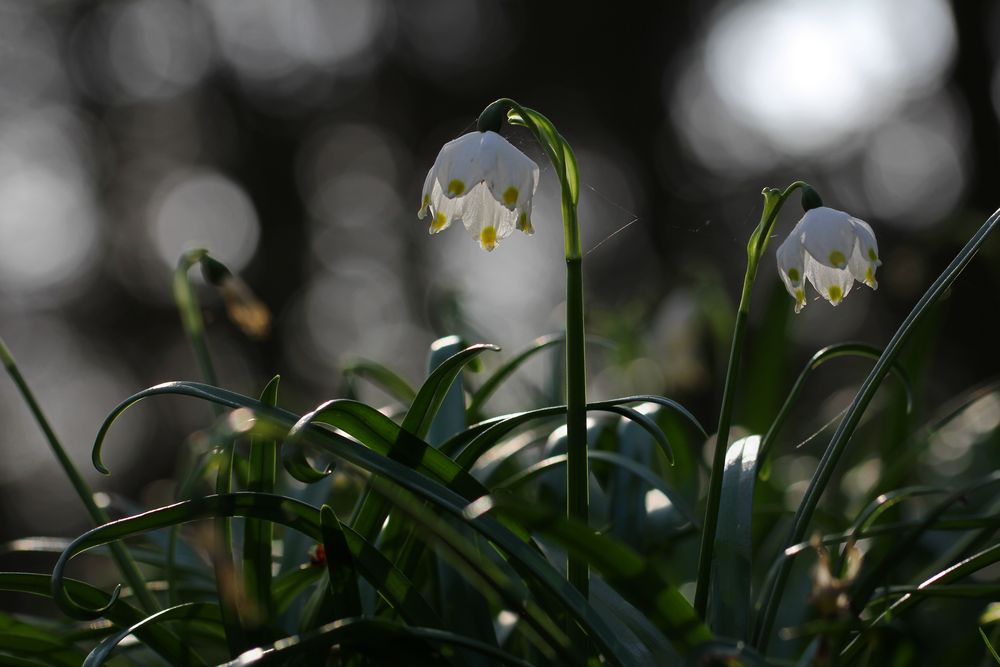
(810, 198)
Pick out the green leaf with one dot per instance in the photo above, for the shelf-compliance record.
(640, 581)
(186, 612)
(381, 640)
(617, 461)
(953, 573)
(838, 443)
(482, 572)
(123, 615)
(508, 368)
(340, 567)
(421, 413)
(499, 427)
(390, 583)
(26, 637)
(904, 545)
(821, 357)
(989, 646)
(518, 552)
(382, 377)
(464, 610)
(289, 585)
(729, 601)
(257, 535)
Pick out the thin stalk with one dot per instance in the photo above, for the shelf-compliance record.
(719, 458)
(127, 565)
(773, 201)
(838, 444)
(577, 474)
(564, 162)
(190, 312)
(225, 571)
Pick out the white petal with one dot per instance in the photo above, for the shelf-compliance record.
(828, 235)
(865, 259)
(461, 163)
(832, 284)
(791, 269)
(425, 194)
(515, 177)
(485, 218)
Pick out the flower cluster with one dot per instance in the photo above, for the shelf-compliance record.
(831, 249)
(481, 180)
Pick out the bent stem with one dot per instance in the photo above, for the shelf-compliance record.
(194, 328)
(127, 565)
(564, 162)
(838, 443)
(773, 201)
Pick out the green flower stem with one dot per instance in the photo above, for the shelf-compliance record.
(564, 162)
(773, 201)
(194, 328)
(838, 443)
(127, 565)
(190, 311)
(577, 475)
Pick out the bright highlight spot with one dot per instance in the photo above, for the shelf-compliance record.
(204, 209)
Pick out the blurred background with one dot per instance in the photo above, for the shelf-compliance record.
(292, 137)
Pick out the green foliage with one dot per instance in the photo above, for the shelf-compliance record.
(441, 536)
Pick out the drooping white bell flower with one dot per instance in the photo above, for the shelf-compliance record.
(481, 180)
(831, 249)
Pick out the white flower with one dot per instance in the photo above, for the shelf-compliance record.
(831, 249)
(481, 180)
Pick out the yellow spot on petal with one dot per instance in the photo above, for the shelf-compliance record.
(488, 238)
(455, 187)
(524, 224)
(440, 221)
(793, 275)
(837, 259)
(870, 278)
(800, 299)
(872, 255)
(836, 294)
(510, 196)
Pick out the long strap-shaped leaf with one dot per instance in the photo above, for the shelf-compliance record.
(381, 434)
(729, 597)
(446, 499)
(618, 461)
(398, 643)
(821, 357)
(390, 583)
(367, 425)
(482, 573)
(867, 583)
(381, 376)
(408, 440)
(639, 580)
(501, 426)
(122, 614)
(189, 611)
(835, 450)
(493, 382)
(257, 535)
(421, 413)
(957, 571)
